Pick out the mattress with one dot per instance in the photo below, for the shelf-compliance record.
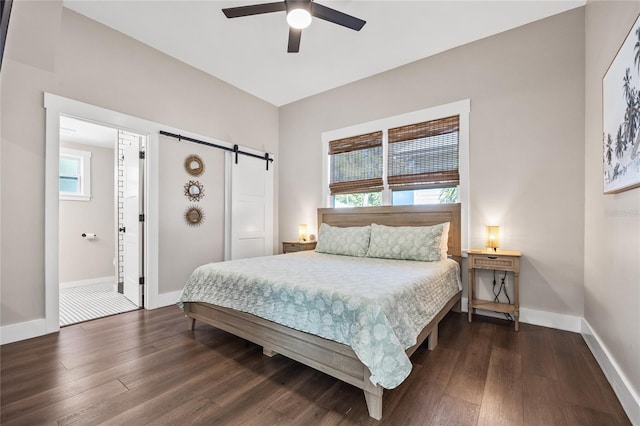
(378, 307)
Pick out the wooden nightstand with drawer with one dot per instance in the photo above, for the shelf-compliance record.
(501, 260)
(293, 246)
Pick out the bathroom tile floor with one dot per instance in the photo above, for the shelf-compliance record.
(87, 302)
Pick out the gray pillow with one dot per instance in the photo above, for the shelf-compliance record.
(351, 241)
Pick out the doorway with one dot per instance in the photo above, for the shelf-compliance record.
(100, 233)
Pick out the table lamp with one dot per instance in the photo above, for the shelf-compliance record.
(492, 237)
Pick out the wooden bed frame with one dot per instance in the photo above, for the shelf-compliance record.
(336, 359)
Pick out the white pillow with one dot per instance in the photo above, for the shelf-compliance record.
(423, 243)
(350, 241)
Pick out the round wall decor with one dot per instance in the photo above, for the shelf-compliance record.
(194, 216)
(194, 190)
(194, 165)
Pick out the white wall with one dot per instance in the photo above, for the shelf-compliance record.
(52, 49)
(82, 259)
(612, 222)
(182, 248)
(526, 145)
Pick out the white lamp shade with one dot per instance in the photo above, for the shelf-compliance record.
(492, 236)
(302, 232)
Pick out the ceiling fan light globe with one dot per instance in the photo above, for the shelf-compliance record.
(299, 18)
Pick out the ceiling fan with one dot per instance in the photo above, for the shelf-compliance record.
(299, 13)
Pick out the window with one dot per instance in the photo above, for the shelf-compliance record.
(356, 170)
(360, 199)
(75, 175)
(423, 162)
(70, 175)
(424, 196)
(410, 159)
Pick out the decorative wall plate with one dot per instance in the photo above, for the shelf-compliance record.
(194, 190)
(194, 216)
(194, 165)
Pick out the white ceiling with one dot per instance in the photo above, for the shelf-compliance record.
(251, 52)
(87, 133)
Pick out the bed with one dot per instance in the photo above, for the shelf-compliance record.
(333, 350)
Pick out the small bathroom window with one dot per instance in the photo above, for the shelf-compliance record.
(75, 175)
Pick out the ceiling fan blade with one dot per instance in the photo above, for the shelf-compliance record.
(337, 17)
(294, 40)
(254, 9)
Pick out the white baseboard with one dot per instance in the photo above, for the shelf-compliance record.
(28, 329)
(628, 397)
(167, 299)
(90, 281)
(551, 319)
(536, 317)
(22, 331)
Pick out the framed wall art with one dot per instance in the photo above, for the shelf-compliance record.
(621, 116)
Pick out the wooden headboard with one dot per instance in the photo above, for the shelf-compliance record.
(400, 216)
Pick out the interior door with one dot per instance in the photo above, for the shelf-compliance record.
(133, 226)
(249, 212)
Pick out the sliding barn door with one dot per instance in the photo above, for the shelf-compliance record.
(249, 208)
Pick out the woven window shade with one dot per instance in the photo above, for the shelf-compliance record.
(356, 164)
(424, 155)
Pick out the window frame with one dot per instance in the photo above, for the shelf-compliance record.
(461, 108)
(84, 174)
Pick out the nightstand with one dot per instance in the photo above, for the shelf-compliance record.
(500, 260)
(293, 246)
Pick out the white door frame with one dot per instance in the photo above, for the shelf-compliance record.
(133, 251)
(55, 106)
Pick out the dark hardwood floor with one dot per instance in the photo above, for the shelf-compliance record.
(144, 367)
